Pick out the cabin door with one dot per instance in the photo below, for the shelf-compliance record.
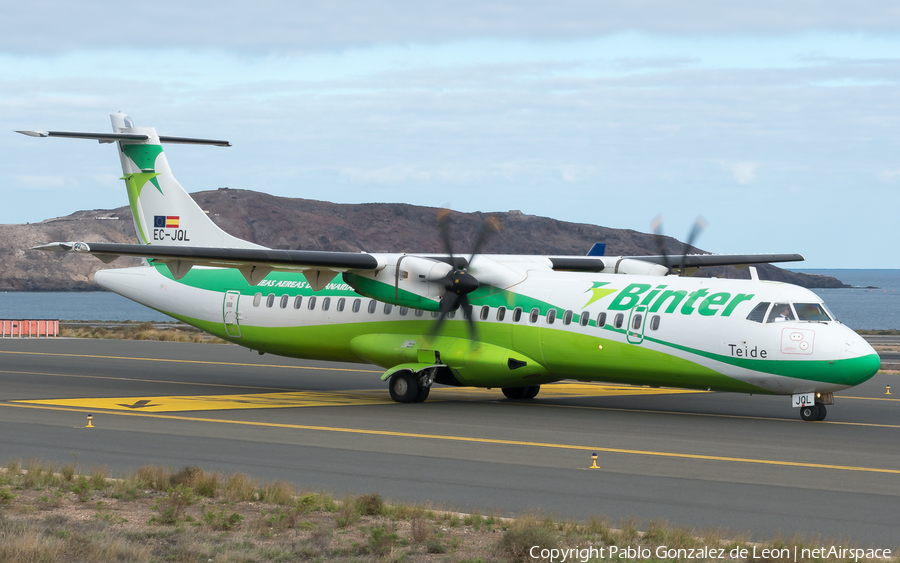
(230, 313)
(637, 320)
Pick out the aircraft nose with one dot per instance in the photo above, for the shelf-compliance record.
(859, 360)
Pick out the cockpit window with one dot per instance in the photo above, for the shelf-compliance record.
(780, 313)
(811, 312)
(758, 314)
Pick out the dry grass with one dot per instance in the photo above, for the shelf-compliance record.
(159, 514)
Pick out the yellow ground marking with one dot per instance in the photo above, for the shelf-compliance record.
(189, 361)
(294, 399)
(218, 402)
(867, 398)
(492, 441)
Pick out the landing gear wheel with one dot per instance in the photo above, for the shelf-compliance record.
(404, 387)
(822, 412)
(514, 392)
(810, 412)
(423, 394)
(521, 392)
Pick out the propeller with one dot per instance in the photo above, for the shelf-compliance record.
(459, 283)
(699, 224)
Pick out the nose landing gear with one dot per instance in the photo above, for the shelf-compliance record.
(813, 412)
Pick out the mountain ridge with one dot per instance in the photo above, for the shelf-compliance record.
(295, 223)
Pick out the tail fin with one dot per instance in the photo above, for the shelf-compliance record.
(163, 211)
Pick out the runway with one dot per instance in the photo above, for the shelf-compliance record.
(746, 463)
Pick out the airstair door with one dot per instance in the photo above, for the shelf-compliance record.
(230, 313)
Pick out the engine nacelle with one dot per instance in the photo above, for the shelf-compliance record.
(632, 267)
(410, 281)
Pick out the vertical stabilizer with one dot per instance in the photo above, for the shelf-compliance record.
(164, 213)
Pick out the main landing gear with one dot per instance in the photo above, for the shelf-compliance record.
(409, 387)
(521, 392)
(813, 412)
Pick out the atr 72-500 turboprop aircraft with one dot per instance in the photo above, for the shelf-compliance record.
(525, 320)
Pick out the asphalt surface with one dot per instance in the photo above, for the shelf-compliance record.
(745, 463)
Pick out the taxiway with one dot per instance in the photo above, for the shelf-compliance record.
(746, 463)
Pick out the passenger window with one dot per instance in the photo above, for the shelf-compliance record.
(419, 312)
(270, 300)
(619, 320)
(601, 320)
(781, 312)
(451, 315)
(356, 304)
(387, 308)
(585, 318)
(501, 313)
(551, 316)
(654, 322)
(340, 305)
(284, 301)
(403, 311)
(517, 314)
(435, 314)
(297, 301)
(533, 317)
(636, 322)
(567, 317)
(257, 299)
(372, 305)
(758, 314)
(811, 312)
(326, 303)
(311, 303)
(485, 311)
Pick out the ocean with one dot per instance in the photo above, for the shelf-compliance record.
(858, 308)
(861, 307)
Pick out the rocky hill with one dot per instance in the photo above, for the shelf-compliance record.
(317, 225)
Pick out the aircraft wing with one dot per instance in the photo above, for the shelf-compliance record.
(701, 260)
(650, 264)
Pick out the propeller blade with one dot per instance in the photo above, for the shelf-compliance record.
(467, 313)
(660, 241)
(443, 220)
(699, 224)
(450, 302)
(491, 225)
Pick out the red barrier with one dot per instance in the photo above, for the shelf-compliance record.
(30, 328)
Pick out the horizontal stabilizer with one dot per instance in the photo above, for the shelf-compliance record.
(113, 137)
(250, 261)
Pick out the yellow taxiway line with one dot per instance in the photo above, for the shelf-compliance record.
(493, 441)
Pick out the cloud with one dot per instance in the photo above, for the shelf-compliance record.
(889, 176)
(43, 183)
(53, 26)
(743, 172)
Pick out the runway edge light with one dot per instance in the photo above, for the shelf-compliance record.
(90, 417)
(594, 461)
(887, 389)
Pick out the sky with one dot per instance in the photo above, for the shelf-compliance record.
(778, 122)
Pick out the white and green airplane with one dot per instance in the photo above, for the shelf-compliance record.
(524, 320)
